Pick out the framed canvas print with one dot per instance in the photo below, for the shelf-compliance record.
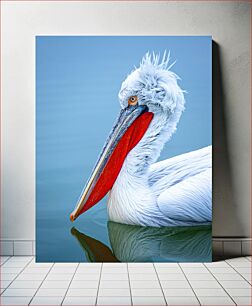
(123, 148)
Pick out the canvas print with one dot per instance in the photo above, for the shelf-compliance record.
(123, 148)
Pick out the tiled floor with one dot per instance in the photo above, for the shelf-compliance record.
(24, 282)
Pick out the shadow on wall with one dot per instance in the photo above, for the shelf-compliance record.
(225, 215)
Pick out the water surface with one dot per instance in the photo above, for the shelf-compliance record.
(77, 83)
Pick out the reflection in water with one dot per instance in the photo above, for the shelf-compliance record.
(149, 244)
(95, 250)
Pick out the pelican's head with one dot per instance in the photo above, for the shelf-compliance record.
(151, 90)
(154, 85)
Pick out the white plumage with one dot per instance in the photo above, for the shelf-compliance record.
(174, 192)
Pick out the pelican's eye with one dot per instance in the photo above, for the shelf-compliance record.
(132, 100)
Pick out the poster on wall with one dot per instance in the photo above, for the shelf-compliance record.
(123, 148)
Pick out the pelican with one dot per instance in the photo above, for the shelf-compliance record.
(142, 191)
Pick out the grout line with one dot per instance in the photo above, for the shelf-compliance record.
(220, 285)
(16, 276)
(96, 300)
(13, 256)
(41, 282)
(70, 283)
(189, 283)
(238, 273)
(160, 284)
(131, 299)
(247, 258)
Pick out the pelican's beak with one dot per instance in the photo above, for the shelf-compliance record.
(128, 130)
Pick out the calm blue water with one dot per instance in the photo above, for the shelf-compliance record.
(77, 82)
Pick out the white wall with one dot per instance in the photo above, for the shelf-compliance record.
(227, 22)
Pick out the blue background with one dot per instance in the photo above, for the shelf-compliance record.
(77, 83)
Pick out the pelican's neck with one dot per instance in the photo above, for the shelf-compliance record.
(148, 150)
(131, 199)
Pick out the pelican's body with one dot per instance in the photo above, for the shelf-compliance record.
(142, 191)
(173, 192)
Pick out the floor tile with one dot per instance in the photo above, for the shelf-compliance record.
(192, 264)
(241, 264)
(171, 269)
(9, 270)
(33, 264)
(144, 284)
(174, 284)
(178, 292)
(209, 292)
(51, 292)
(220, 300)
(219, 270)
(82, 292)
(36, 270)
(59, 270)
(200, 276)
(146, 292)
(142, 271)
(115, 270)
(14, 264)
(239, 291)
(88, 270)
(248, 277)
(25, 284)
(141, 264)
(195, 270)
(140, 300)
(29, 276)
(172, 276)
(113, 284)
(143, 277)
(217, 264)
(165, 264)
(3, 259)
(189, 300)
(114, 292)
(243, 270)
(55, 284)
(87, 276)
(66, 264)
(19, 292)
(59, 277)
(98, 264)
(79, 301)
(229, 276)
(85, 284)
(104, 300)
(47, 300)
(21, 258)
(8, 276)
(114, 276)
(235, 284)
(204, 284)
(237, 259)
(5, 283)
(15, 300)
(243, 300)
